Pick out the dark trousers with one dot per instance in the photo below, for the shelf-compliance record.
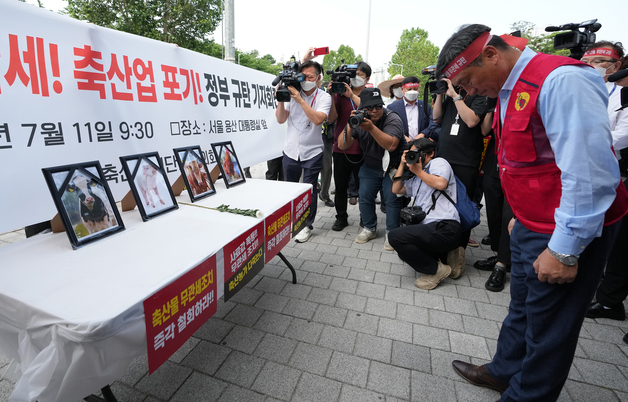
(310, 168)
(327, 168)
(275, 169)
(538, 338)
(498, 214)
(344, 166)
(422, 245)
(468, 176)
(614, 287)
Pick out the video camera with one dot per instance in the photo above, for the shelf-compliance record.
(434, 86)
(358, 118)
(289, 76)
(341, 75)
(576, 41)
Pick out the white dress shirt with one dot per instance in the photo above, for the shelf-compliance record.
(304, 140)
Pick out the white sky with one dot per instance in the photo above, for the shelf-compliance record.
(279, 27)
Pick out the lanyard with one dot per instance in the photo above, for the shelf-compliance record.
(352, 105)
(315, 95)
(614, 87)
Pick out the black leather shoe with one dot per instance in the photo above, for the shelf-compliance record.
(596, 310)
(339, 224)
(495, 282)
(478, 375)
(486, 265)
(626, 338)
(382, 208)
(486, 240)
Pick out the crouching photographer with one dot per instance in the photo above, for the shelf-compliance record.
(431, 242)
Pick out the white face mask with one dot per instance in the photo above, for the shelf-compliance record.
(308, 85)
(357, 81)
(601, 70)
(411, 96)
(398, 93)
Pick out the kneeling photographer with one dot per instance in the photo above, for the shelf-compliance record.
(431, 233)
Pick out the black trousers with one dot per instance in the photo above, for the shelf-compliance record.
(469, 177)
(275, 169)
(344, 166)
(498, 214)
(422, 245)
(614, 287)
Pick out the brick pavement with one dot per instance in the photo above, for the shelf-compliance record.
(355, 328)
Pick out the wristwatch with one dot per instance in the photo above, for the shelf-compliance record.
(565, 259)
(457, 98)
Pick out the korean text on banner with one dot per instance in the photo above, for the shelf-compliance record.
(244, 258)
(277, 231)
(301, 211)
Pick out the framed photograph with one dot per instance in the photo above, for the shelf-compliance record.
(149, 184)
(230, 167)
(194, 171)
(84, 202)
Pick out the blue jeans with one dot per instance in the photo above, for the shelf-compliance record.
(371, 181)
(538, 339)
(311, 168)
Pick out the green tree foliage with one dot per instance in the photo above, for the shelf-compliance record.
(184, 22)
(335, 57)
(539, 43)
(252, 60)
(414, 53)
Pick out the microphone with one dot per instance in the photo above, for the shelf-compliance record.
(552, 29)
(618, 75)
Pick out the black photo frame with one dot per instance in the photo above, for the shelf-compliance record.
(230, 167)
(149, 184)
(84, 202)
(193, 166)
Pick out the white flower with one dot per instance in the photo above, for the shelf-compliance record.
(259, 214)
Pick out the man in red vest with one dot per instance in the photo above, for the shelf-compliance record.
(561, 178)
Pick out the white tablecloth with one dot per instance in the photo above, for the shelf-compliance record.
(73, 320)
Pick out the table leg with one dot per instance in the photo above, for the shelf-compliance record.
(285, 260)
(107, 396)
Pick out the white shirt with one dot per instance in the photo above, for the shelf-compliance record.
(412, 113)
(304, 140)
(619, 120)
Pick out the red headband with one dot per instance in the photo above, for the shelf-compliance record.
(467, 56)
(410, 85)
(602, 51)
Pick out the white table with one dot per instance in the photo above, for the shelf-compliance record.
(73, 320)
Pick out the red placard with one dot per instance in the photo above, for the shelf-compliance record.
(277, 231)
(301, 211)
(244, 258)
(174, 313)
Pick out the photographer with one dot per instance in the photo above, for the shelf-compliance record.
(303, 148)
(347, 162)
(380, 135)
(426, 245)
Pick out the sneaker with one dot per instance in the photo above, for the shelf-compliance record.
(366, 235)
(387, 245)
(495, 282)
(455, 259)
(382, 208)
(429, 282)
(473, 243)
(339, 224)
(303, 235)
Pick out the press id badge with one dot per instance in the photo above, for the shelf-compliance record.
(454, 129)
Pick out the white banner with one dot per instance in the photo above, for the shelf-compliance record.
(73, 92)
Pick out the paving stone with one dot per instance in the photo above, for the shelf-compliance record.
(348, 369)
(469, 293)
(198, 387)
(223, 308)
(430, 337)
(121, 391)
(373, 347)
(276, 380)
(343, 285)
(165, 381)
(413, 314)
(363, 323)
(445, 320)
(273, 323)
(491, 312)
(480, 327)
(272, 302)
(311, 358)
(183, 351)
(247, 295)
(469, 345)
(338, 339)
(351, 301)
(351, 253)
(337, 270)
(364, 246)
(398, 295)
(240, 369)
(427, 300)
(603, 333)
(136, 371)
(586, 392)
(349, 393)
(354, 262)
(304, 331)
(271, 285)
(445, 289)
(381, 267)
(330, 315)
(460, 306)
(313, 267)
(237, 394)
(244, 315)
(389, 380)
(371, 290)
(411, 356)
(334, 261)
(313, 388)
(275, 348)
(601, 374)
(323, 296)
(296, 291)
(300, 309)
(206, 357)
(361, 275)
(470, 393)
(243, 339)
(381, 308)
(603, 352)
(271, 270)
(441, 364)
(317, 280)
(394, 329)
(499, 298)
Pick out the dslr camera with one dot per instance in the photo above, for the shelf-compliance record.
(414, 155)
(289, 76)
(358, 118)
(341, 75)
(435, 86)
(412, 215)
(576, 41)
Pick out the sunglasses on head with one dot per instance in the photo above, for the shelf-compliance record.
(370, 108)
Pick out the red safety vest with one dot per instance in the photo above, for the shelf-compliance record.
(529, 175)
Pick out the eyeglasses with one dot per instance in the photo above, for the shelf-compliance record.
(596, 62)
(370, 108)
